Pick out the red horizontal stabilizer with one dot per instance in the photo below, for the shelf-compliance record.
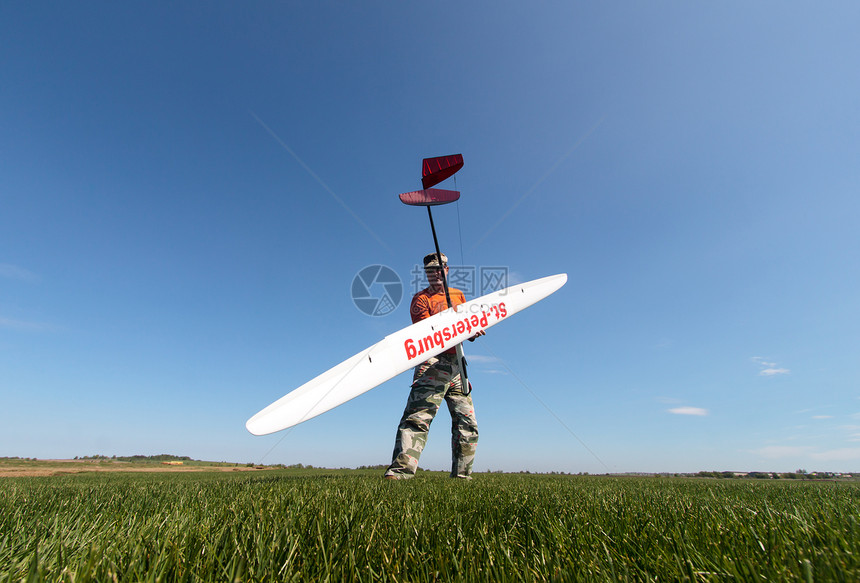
(435, 170)
(429, 197)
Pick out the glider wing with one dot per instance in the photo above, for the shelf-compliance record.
(399, 352)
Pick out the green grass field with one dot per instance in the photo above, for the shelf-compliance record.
(299, 525)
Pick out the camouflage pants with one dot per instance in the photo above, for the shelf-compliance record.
(436, 380)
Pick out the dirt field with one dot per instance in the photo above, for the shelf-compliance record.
(24, 468)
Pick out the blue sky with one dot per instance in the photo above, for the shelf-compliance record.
(188, 191)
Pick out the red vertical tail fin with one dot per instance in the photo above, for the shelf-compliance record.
(435, 170)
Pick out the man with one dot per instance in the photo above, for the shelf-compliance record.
(435, 380)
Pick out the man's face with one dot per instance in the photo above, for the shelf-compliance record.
(434, 276)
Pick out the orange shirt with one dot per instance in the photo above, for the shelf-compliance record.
(426, 303)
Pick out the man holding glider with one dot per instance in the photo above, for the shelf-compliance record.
(435, 380)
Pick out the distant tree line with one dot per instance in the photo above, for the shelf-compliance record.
(798, 475)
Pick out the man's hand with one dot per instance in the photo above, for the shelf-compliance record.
(481, 333)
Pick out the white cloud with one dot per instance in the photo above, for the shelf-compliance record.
(852, 432)
(488, 364)
(782, 451)
(482, 358)
(770, 368)
(688, 411)
(787, 451)
(10, 271)
(515, 278)
(842, 454)
(822, 416)
(768, 372)
(21, 325)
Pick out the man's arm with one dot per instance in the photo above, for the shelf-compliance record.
(419, 308)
